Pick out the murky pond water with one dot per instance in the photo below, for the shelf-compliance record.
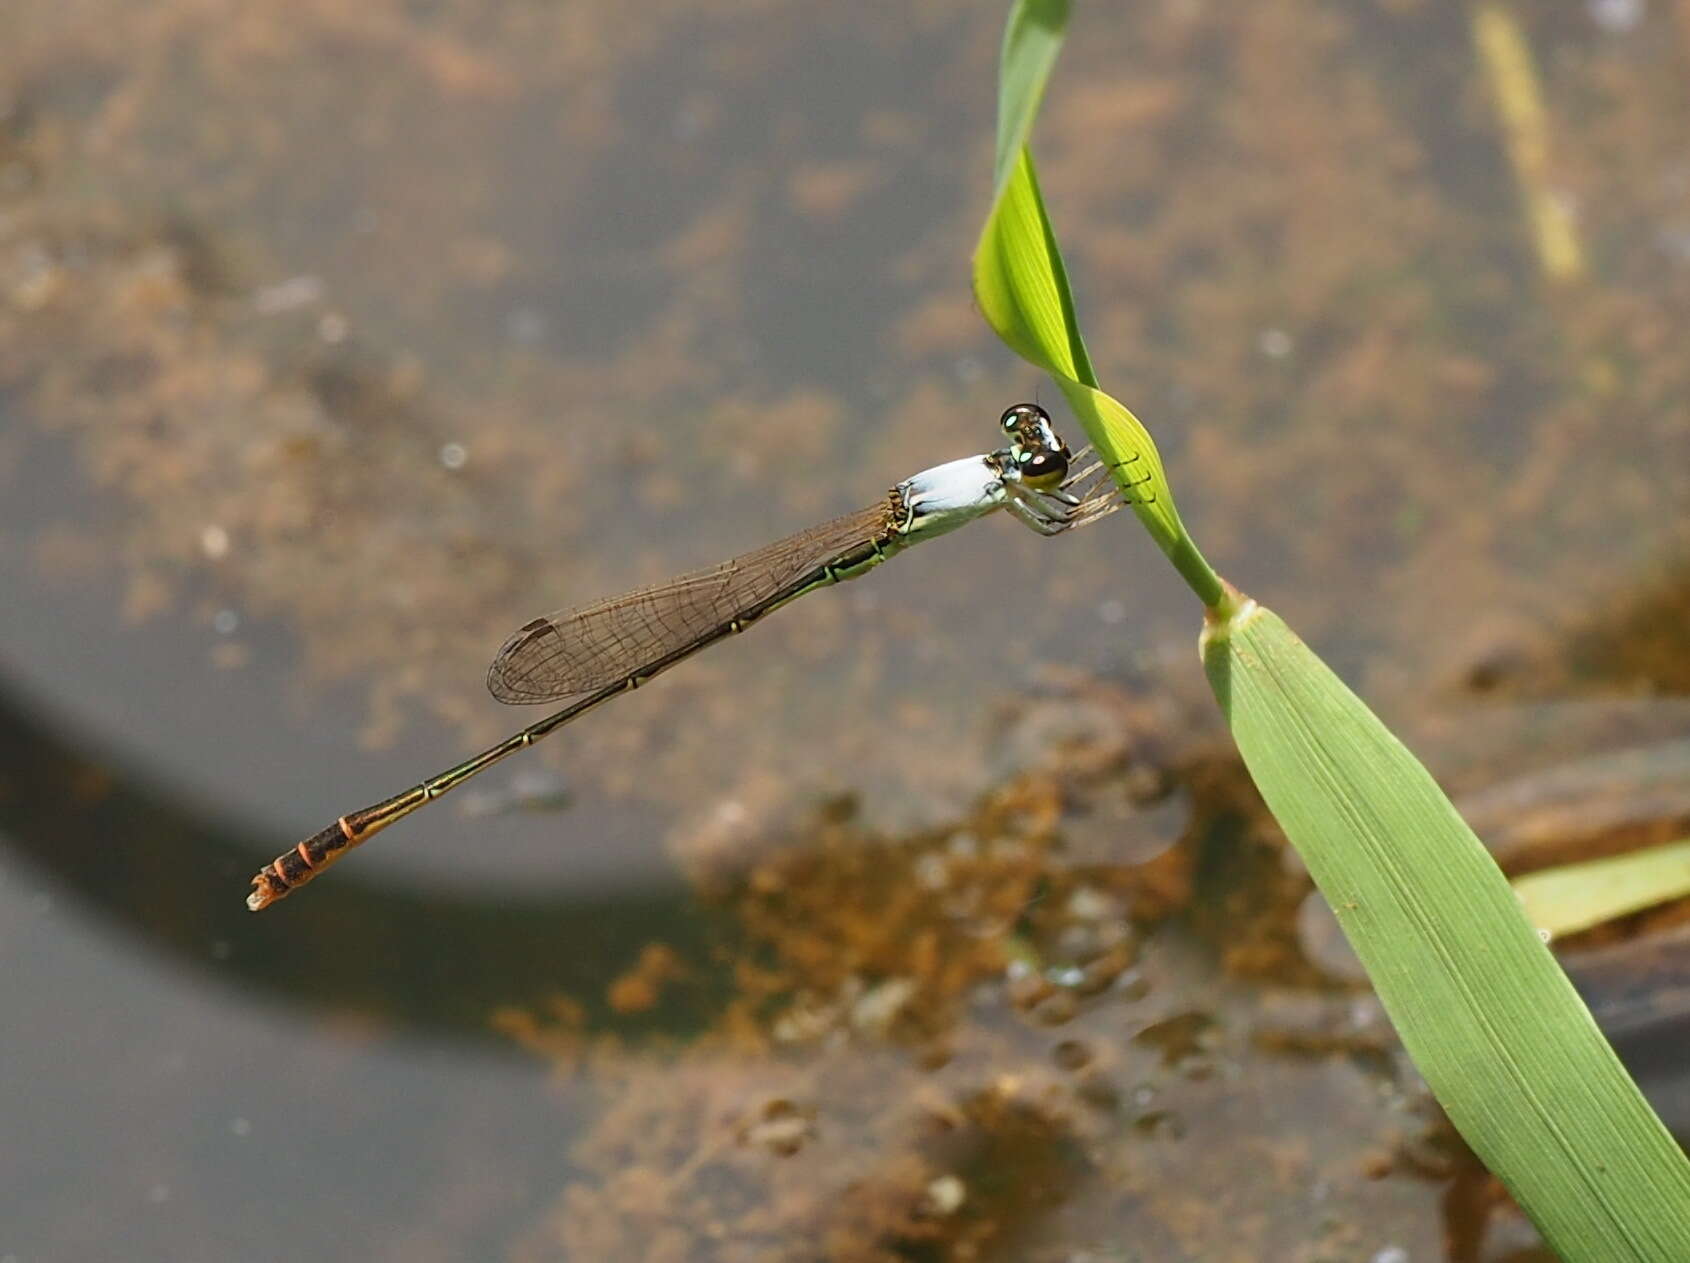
(934, 918)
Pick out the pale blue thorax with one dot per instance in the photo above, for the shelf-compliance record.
(938, 500)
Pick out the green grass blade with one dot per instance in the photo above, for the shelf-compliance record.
(1022, 284)
(1023, 291)
(1031, 41)
(1490, 1019)
(1574, 897)
(1492, 1023)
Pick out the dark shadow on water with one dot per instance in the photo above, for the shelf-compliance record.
(174, 879)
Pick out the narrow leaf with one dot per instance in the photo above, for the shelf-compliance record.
(1491, 1021)
(1022, 287)
(1574, 897)
(1031, 41)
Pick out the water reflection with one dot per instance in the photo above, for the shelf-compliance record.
(336, 344)
(421, 964)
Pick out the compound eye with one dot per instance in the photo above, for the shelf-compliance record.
(1014, 418)
(1044, 471)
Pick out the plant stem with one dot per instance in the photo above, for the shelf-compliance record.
(1215, 592)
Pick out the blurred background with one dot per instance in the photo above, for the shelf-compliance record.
(934, 919)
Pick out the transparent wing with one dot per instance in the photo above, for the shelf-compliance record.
(577, 651)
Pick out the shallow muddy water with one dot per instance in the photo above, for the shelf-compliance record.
(932, 919)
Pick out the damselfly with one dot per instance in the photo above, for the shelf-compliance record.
(598, 652)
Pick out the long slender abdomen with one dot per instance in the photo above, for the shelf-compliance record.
(293, 869)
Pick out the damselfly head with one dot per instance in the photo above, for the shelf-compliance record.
(1037, 456)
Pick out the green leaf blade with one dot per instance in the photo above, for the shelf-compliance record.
(1491, 1021)
(1022, 286)
(1016, 281)
(1032, 39)
(1496, 1028)
(1573, 897)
